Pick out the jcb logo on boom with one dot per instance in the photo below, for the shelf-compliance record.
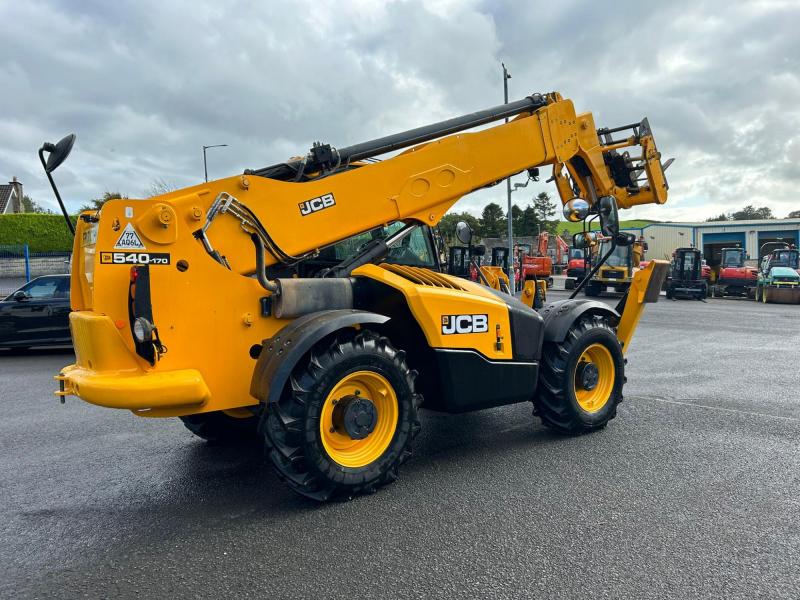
(465, 324)
(317, 204)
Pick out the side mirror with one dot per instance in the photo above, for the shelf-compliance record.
(20, 296)
(58, 152)
(464, 232)
(609, 216)
(479, 250)
(586, 239)
(576, 210)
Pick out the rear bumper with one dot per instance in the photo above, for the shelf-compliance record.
(107, 373)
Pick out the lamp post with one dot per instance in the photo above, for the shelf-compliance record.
(511, 285)
(517, 187)
(205, 164)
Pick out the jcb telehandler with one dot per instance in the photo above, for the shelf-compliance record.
(246, 306)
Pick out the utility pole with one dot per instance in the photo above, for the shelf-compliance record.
(512, 287)
(205, 164)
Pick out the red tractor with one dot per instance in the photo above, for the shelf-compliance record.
(734, 277)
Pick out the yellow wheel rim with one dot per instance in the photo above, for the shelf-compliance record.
(599, 357)
(354, 453)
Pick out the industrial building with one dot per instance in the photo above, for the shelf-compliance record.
(711, 237)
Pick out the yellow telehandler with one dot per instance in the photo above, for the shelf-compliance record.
(303, 302)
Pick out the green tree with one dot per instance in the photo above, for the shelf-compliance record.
(719, 217)
(516, 218)
(750, 212)
(544, 208)
(97, 203)
(528, 223)
(795, 214)
(493, 221)
(29, 205)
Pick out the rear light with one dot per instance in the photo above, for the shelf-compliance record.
(143, 330)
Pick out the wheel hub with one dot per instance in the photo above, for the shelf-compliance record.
(588, 375)
(355, 416)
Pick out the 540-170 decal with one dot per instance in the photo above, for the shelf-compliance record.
(134, 258)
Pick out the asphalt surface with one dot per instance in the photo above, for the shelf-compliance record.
(692, 492)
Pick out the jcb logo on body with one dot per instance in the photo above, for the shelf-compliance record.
(317, 204)
(465, 324)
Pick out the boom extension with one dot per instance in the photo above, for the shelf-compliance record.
(440, 164)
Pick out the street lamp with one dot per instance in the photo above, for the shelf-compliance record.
(506, 77)
(205, 164)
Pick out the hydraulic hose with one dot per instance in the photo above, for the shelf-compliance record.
(261, 268)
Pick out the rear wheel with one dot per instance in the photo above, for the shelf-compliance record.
(223, 428)
(592, 289)
(581, 379)
(345, 423)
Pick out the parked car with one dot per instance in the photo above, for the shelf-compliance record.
(37, 314)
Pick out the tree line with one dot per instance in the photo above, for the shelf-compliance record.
(493, 222)
(751, 213)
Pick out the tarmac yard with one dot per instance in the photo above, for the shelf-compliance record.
(693, 491)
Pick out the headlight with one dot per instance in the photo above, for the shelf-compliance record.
(142, 330)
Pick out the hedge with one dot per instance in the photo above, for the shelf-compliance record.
(42, 233)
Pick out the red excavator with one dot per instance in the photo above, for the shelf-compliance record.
(540, 265)
(733, 277)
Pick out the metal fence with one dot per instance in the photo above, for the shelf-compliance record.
(19, 265)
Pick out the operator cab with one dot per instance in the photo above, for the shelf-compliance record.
(732, 258)
(418, 249)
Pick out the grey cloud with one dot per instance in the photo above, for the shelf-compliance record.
(146, 84)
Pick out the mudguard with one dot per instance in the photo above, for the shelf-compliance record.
(280, 353)
(559, 316)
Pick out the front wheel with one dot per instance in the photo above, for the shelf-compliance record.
(345, 423)
(581, 378)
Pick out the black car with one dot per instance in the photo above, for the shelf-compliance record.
(37, 314)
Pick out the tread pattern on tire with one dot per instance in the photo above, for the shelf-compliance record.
(551, 403)
(287, 436)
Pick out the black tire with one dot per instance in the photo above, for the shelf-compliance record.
(669, 294)
(569, 283)
(291, 425)
(219, 428)
(592, 289)
(556, 403)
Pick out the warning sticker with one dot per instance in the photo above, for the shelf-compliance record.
(129, 240)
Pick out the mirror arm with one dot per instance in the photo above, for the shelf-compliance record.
(594, 270)
(55, 189)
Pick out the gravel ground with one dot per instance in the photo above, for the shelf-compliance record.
(692, 492)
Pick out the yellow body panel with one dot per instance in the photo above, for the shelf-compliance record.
(645, 287)
(430, 305)
(209, 316)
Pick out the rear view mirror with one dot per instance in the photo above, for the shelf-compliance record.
(58, 152)
(609, 216)
(464, 232)
(586, 239)
(576, 210)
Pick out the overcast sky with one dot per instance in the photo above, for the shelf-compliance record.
(145, 84)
